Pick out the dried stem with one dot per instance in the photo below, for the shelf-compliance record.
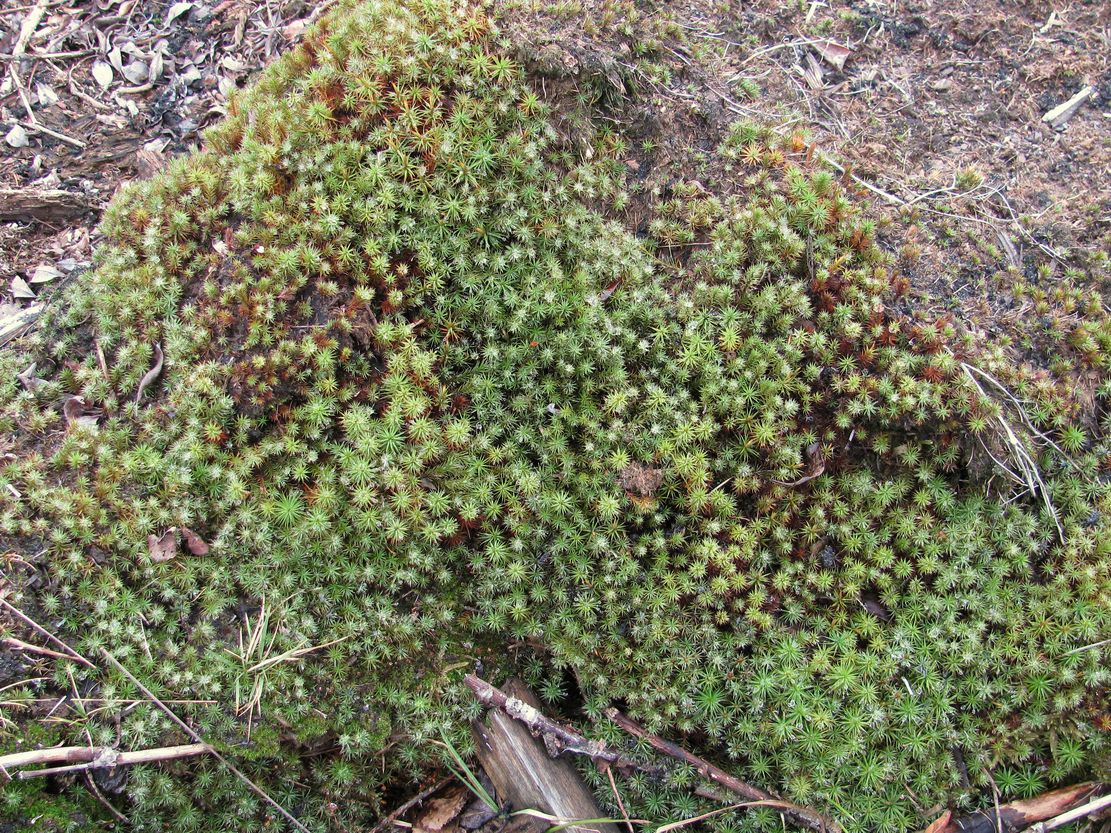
(803, 816)
(410, 804)
(77, 758)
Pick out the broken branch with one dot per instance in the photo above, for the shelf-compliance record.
(557, 738)
(94, 757)
(803, 816)
(1028, 813)
(40, 629)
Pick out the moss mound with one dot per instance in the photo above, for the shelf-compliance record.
(420, 402)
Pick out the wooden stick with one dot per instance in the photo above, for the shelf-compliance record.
(94, 757)
(36, 126)
(1059, 115)
(1093, 806)
(95, 790)
(20, 645)
(32, 623)
(803, 816)
(557, 738)
(251, 785)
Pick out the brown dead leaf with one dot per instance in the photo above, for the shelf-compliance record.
(72, 408)
(295, 28)
(939, 824)
(28, 379)
(194, 542)
(162, 548)
(833, 53)
(439, 812)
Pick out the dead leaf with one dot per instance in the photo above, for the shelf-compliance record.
(813, 73)
(46, 94)
(194, 542)
(72, 409)
(28, 379)
(137, 72)
(21, 289)
(157, 63)
(177, 10)
(151, 374)
(873, 605)
(102, 74)
(439, 812)
(940, 823)
(833, 53)
(164, 548)
(295, 28)
(608, 290)
(44, 274)
(17, 137)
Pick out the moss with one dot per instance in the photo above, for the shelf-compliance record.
(407, 371)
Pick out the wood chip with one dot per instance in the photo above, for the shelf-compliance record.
(1059, 115)
(22, 204)
(833, 53)
(15, 318)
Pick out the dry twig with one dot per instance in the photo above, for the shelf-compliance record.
(803, 816)
(558, 738)
(78, 758)
(386, 821)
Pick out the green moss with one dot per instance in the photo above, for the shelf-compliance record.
(421, 401)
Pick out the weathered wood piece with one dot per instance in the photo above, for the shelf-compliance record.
(22, 204)
(524, 774)
(1059, 115)
(14, 319)
(1022, 815)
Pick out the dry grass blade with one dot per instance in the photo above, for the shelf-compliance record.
(1023, 462)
